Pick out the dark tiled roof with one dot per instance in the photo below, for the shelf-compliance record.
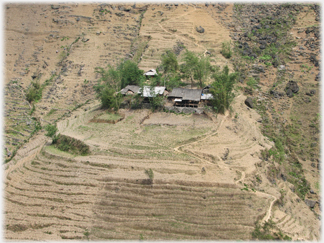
(133, 88)
(186, 94)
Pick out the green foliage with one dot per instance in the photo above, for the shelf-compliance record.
(156, 101)
(252, 83)
(268, 231)
(169, 62)
(50, 112)
(196, 67)
(248, 57)
(222, 90)
(34, 92)
(305, 68)
(51, 130)
(112, 80)
(265, 57)
(32, 110)
(69, 144)
(150, 174)
(130, 73)
(173, 81)
(188, 68)
(226, 49)
(109, 98)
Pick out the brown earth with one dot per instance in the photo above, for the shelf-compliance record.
(200, 164)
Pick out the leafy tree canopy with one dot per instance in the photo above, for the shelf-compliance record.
(222, 89)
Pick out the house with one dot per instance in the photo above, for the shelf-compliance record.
(151, 73)
(130, 90)
(152, 92)
(185, 97)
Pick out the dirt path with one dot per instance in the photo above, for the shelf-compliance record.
(177, 149)
(261, 194)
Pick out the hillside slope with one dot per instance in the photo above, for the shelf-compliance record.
(161, 176)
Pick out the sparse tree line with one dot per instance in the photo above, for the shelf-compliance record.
(195, 68)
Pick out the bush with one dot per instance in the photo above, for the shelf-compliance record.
(268, 232)
(226, 49)
(69, 144)
(252, 83)
(51, 130)
(34, 92)
(110, 99)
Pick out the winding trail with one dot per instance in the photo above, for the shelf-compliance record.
(259, 193)
(177, 149)
(268, 215)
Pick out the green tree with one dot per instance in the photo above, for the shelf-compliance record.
(169, 62)
(110, 77)
(172, 81)
(202, 70)
(188, 68)
(113, 79)
(109, 98)
(196, 68)
(222, 90)
(130, 73)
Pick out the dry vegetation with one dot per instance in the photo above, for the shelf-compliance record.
(149, 176)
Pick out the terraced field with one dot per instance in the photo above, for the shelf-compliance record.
(150, 176)
(57, 197)
(108, 194)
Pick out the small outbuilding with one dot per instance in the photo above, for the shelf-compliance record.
(130, 90)
(151, 73)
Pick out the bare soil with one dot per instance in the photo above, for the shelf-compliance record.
(201, 164)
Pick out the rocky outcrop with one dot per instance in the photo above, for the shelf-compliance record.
(292, 87)
(249, 102)
(200, 29)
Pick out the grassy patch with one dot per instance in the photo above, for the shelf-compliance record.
(72, 145)
(226, 49)
(109, 116)
(53, 150)
(268, 231)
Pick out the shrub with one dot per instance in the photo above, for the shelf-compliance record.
(110, 99)
(252, 83)
(34, 92)
(51, 130)
(69, 144)
(150, 174)
(226, 49)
